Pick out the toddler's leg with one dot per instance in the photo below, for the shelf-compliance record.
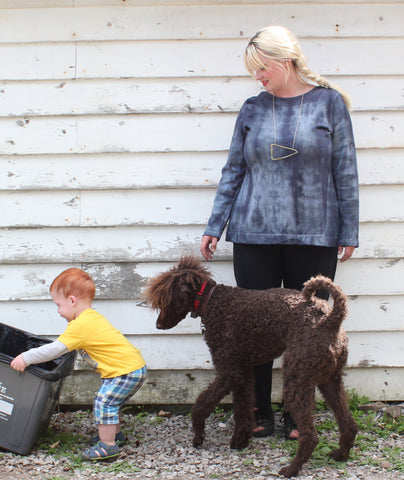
(107, 433)
(109, 400)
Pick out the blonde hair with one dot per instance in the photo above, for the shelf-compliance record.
(74, 281)
(280, 45)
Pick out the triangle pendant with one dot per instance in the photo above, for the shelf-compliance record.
(279, 152)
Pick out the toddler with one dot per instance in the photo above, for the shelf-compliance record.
(119, 363)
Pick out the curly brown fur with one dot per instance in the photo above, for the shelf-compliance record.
(245, 328)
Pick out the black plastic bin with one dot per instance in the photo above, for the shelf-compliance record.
(27, 399)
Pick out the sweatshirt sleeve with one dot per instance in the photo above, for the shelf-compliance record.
(231, 179)
(345, 175)
(44, 353)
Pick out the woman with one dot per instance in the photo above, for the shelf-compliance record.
(289, 189)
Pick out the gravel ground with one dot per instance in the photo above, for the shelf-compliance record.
(160, 446)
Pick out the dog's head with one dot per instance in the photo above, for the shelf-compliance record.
(173, 292)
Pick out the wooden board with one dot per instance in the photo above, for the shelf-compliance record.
(178, 95)
(116, 171)
(153, 207)
(366, 314)
(155, 243)
(161, 133)
(137, 22)
(125, 280)
(171, 58)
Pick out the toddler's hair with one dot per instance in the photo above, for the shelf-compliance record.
(74, 281)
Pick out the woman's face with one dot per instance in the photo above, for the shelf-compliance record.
(274, 76)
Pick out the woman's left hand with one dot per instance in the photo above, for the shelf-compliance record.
(346, 254)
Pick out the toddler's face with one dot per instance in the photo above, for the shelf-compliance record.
(66, 306)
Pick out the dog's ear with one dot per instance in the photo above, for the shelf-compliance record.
(159, 290)
(177, 284)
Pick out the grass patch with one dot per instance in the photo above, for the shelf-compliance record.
(372, 426)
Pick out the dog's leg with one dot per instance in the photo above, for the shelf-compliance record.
(204, 405)
(335, 395)
(299, 402)
(243, 400)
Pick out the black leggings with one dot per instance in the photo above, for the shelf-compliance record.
(260, 267)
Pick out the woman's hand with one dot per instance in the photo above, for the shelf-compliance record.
(347, 253)
(208, 246)
(18, 363)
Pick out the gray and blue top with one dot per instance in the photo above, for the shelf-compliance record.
(310, 198)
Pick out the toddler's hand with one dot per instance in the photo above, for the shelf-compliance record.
(18, 363)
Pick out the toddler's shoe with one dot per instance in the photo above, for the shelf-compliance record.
(101, 451)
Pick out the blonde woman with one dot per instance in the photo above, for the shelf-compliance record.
(289, 190)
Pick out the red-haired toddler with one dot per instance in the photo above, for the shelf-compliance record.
(121, 365)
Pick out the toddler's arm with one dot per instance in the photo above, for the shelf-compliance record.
(46, 352)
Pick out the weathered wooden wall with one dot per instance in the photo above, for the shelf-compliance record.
(115, 118)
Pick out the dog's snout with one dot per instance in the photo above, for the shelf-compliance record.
(160, 324)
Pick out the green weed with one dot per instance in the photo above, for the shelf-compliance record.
(372, 426)
(55, 478)
(119, 466)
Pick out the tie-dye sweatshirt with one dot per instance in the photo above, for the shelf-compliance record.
(310, 198)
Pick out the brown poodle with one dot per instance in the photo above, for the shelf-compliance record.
(244, 328)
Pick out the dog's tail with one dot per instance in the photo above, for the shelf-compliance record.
(339, 310)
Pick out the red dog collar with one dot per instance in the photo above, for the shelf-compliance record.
(194, 314)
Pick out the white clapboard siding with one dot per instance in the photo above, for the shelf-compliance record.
(366, 313)
(141, 243)
(371, 349)
(126, 280)
(9, 4)
(113, 244)
(161, 132)
(112, 23)
(153, 207)
(171, 58)
(199, 95)
(113, 171)
(115, 120)
(182, 352)
(117, 171)
(378, 203)
(190, 351)
(365, 350)
(380, 166)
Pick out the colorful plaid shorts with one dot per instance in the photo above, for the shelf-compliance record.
(113, 393)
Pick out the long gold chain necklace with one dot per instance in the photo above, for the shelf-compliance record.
(280, 152)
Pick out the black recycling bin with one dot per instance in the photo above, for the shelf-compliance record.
(28, 399)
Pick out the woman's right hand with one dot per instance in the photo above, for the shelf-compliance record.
(208, 246)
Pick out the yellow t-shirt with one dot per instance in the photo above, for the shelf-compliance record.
(101, 345)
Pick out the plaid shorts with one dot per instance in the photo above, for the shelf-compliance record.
(113, 393)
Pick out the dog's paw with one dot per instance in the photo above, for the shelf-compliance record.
(289, 471)
(239, 443)
(339, 455)
(197, 441)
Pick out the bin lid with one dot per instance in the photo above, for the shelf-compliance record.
(14, 341)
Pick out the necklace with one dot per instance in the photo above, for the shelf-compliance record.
(280, 152)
